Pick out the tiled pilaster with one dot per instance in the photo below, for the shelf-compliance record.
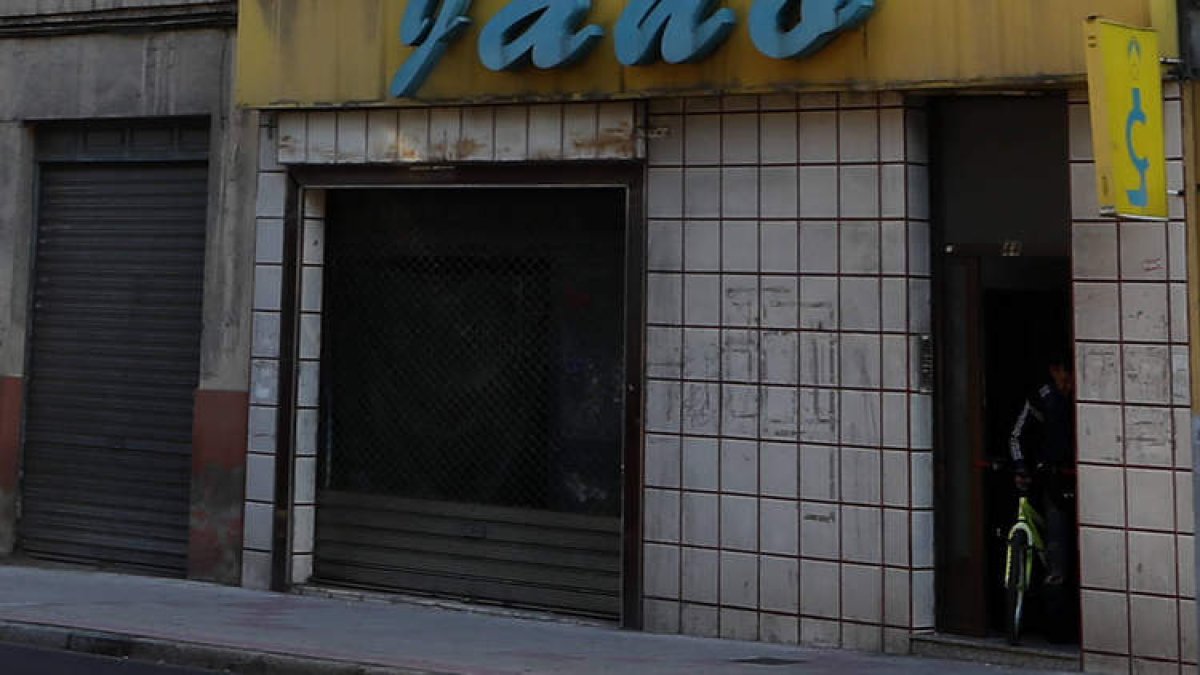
(1135, 482)
(304, 480)
(264, 365)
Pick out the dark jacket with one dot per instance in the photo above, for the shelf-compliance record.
(1044, 433)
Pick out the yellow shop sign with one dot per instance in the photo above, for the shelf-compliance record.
(1125, 94)
(316, 53)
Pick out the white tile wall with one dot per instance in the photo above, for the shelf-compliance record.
(820, 588)
(789, 264)
(264, 366)
(1154, 626)
(1106, 626)
(260, 478)
(256, 569)
(262, 429)
(699, 581)
(1102, 558)
(699, 620)
(660, 565)
(661, 508)
(1152, 563)
(258, 519)
(325, 138)
(1136, 558)
(662, 461)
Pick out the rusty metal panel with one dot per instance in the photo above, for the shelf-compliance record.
(342, 52)
(508, 133)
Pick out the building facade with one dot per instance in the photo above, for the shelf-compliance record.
(123, 330)
(714, 329)
(842, 274)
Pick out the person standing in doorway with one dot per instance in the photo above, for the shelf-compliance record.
(1042, 445)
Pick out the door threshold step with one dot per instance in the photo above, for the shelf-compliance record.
(997, 651)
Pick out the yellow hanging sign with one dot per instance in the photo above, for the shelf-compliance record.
(1125, 98)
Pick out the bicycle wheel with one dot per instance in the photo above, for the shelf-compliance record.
(1016, 584)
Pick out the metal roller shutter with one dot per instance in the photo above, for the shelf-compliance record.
(519, 557)
(114, 363)
(472, 395)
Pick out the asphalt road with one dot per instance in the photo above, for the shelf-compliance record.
(16, 660)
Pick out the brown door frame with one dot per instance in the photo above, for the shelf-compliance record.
(618, 174)
(967, 612)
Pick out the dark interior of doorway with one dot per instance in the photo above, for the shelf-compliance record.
(1001, 209)
(1023, 326)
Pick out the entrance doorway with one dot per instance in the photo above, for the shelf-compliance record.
(1002, 313)
(473, 408)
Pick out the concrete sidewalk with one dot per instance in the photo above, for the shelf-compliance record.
(215, 627)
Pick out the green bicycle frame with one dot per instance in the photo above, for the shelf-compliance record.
(1030, 522)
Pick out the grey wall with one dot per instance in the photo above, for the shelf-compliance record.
(229, 265)
(41, 7)
(133, 63)
(152, 74)
(101, 75)
(16, 188)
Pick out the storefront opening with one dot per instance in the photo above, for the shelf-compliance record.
(1003, 312)
(472, 406)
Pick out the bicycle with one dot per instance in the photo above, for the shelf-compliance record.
(1024, 540)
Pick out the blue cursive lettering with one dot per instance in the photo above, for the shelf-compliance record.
(541, 32)
(821, 20)
(431, 38)
(683, 31)
(554, 33)
(1137, 115)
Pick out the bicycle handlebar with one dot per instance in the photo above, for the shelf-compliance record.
(1006, 465)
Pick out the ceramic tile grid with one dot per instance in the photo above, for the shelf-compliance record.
(265, 375)
(1135, 455)
(788, 468)
(264, 365)
(261, 472)
(304, 465)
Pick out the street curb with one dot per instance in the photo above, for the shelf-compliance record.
(186, 654)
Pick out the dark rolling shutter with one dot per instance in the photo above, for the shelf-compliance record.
(473, 403)
(114, 363)
(558, 561)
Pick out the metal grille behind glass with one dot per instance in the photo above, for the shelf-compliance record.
(472, 347)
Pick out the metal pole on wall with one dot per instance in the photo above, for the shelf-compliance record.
(1191, 99)
(1187, 13)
